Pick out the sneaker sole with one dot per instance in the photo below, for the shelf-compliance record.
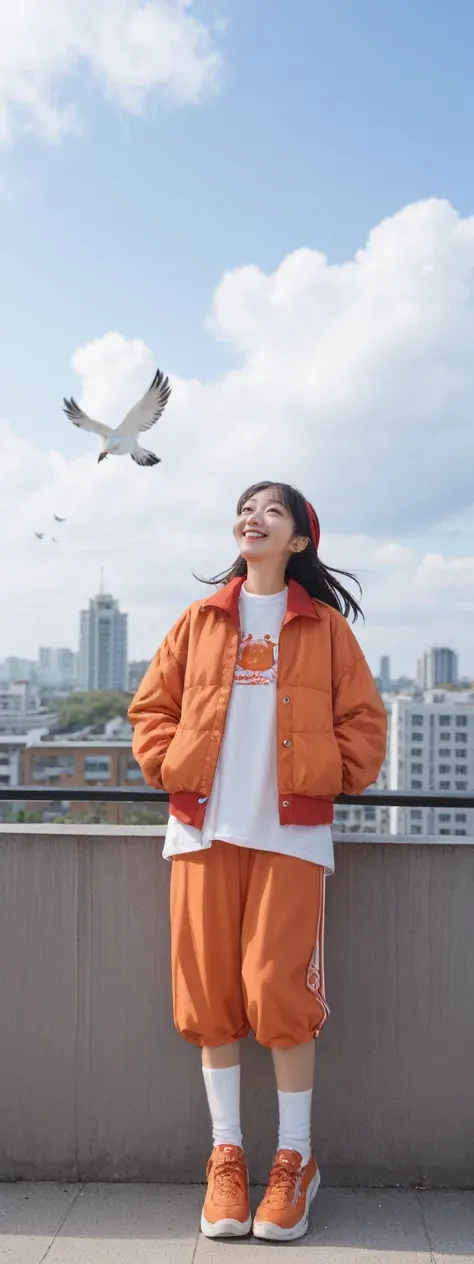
(226, 1228)
(275, 1233)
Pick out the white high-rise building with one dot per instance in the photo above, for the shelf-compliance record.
(438, 666)
(13, 668)
(432, 750)
(103, 646)
(57, 669)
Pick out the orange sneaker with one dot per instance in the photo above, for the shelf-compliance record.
(226, 1211)
(284, 1212)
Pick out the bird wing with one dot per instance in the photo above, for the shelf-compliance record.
(39, 535)
(149, 409)
(56, 519)
(81, 419)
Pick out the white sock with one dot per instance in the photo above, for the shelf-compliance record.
(223, 1095)
(295, 1123)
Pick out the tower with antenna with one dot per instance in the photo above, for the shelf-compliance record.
(103, 644)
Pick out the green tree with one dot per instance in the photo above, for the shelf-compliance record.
(82, 709)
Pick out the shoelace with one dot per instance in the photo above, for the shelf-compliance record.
(282, 1179)
(229, 1177)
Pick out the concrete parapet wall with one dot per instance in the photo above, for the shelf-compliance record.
(96, 1085)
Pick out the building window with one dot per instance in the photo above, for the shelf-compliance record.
(444, 768)
(370, 814)
(460, 737)
(416, 751)
(462, 769)
(416, 785)
(341, 814)
(416, 829)
(460, 833)
(97, 767)
(446, 752)
(460, 754)
(461, 785)
(417, 768)
(445, 785)
(443, 831)
(46, 766)
(461, 817)
(417, 720)
(461, 721)
(134, 772)
(416, 814)
(445, 816)
(444, 720)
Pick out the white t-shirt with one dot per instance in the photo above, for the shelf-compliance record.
(243, 804)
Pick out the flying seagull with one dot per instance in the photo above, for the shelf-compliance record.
(39, 535)
(123, 439)
(54, 541)
(56, 519)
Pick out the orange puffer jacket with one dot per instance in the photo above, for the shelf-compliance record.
(331, 721)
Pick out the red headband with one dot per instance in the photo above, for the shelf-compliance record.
(314, 524)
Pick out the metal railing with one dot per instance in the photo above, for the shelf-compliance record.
(144, 794)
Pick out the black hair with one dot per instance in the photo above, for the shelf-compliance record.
(306, 568)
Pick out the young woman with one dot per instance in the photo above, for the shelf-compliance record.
(257, 711)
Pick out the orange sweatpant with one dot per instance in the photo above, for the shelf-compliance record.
(247, 930)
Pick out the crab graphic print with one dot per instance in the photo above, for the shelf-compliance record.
(256, 660)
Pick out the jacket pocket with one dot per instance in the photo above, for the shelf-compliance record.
(168, 762)
(317, 766)
(335, 771)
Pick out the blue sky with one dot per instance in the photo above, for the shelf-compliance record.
(328, 117)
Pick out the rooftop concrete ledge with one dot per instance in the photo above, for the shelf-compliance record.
(158, 831)
(146, 1224)
(95, 1085)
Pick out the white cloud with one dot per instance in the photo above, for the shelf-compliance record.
(371, 359)
(356, 382)
(131, 47)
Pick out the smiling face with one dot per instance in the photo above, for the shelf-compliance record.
(265, 530)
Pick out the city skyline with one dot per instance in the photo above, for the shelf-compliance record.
(65, 662)
(411, 673)
(383, 674)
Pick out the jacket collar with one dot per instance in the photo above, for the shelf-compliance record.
(227, 599)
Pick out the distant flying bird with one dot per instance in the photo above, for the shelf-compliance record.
(56, 519)
(54, 541)
(39, 535)
(123, 440)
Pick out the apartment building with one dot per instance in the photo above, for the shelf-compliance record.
(68, 762)
(57, 668)
(20, 708)
(12, 748)
(432, 749)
